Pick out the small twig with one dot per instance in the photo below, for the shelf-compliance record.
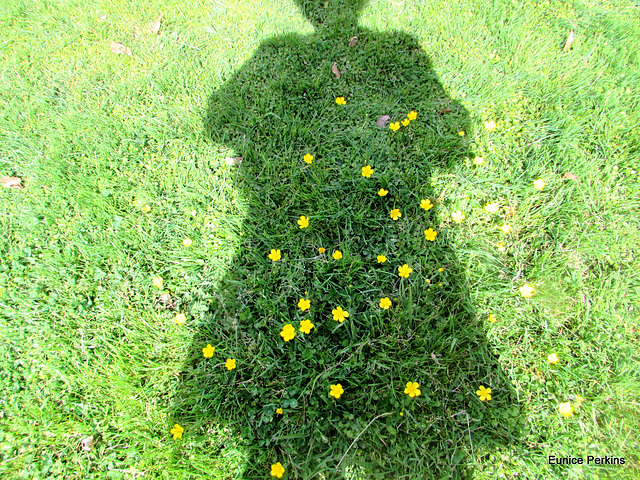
(360, 434)
(473, 454)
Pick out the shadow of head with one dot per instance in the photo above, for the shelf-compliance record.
(332, 14)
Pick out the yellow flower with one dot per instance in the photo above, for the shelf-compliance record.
(484, 393)
(461, 133)
(405, 122)
(306, 326)
(426, 204)
(492, 207)
(277, 470)
(367, 171)
(146, 208)
(395, 214)
(478, 161)
(457, 216)
(340, 101)
(505, 228)
(303, 222)
(405, 270)
(187, 242)
(208, 351)
(180, 318)
(336, 390)
(304, 304)
(490, 125)
(275, 255)
(385, 303)
(381, 258)
(430, 234)
(565, 409)
(412, 389)
(412, 115)
(382, 192)
(279, 411)
(337, 255)
(308, 158)
(321, 250)
(492, 318)
(579, 399)
(288, 332)
(157, 282)
(526, 290)
(394, 126)
(539, 184)
(553, 359)
(230, 364)
(339, 314)
(501, 247)
(177, 431)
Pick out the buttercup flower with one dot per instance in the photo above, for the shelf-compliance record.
(304, 304)
(157, 282)
(405, 270)
(457, 216)
(565, 409)
(579, 399)
(430, 234)
(461, 133)
(321, 250)
(277, 470)
(367, 171)
(303, 222)
(208, 351)
(426, 204)
(492, 318)
(526, 290)
(412, 389)
(308, 158)
(187, 242)
(553, 359)
(492, 207)
(275, 255)
(382, 192)
(230, 364)
(146, 208)
(484, 393)
(501, 247)
(381, 258)
(177, 431)
(339, 314)
(336, 390)
(288, 332)
(395, 214)
(279, 411)
(337, 255)
(340, 101)
(180, 318)
(394, 126)
(505, 228)
(490, 125)
(385, 303)
(478, 161)
(412, 115)
(539, 184)
(405, 122)
(306, 326)
(441, 269)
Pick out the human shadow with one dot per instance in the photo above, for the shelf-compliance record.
(279, 106)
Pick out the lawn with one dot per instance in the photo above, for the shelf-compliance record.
(202, 190)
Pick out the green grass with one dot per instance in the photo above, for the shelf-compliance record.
(89, 348)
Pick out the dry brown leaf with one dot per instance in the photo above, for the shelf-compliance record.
(11, 182)
(334, 69)
(154, 27)
(165, 298)
(119, 49)
(570, 40)
(382, 121)
(233, 160)
(445, 110)
(353, 41)
(88, 443)
(569, 176)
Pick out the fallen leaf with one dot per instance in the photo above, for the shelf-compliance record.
(569, 41)
(165, 298)
(382, 121)
(10, 182)
(154, 27)
(334, 69)
(103, 16)
(445, 110)
(353, 41)
(233, 160)
(119, 49)
(569, 176)
(435, 359)
(511, 211)
(87, 443)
